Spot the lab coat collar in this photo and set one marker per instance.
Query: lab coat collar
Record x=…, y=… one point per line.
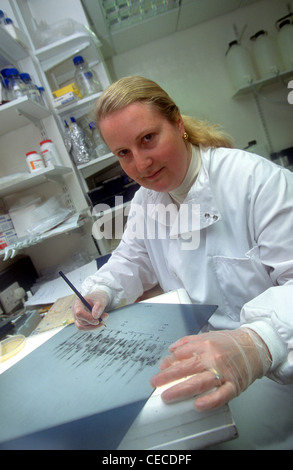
x=199, y=209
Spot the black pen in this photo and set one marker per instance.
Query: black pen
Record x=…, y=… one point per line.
x=85, y=303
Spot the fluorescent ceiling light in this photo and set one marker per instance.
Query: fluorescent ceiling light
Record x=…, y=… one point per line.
x=122, y=13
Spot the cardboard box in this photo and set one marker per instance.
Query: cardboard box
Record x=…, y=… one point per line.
x=8, y=238
x=5, y=222
x=72, y=88
x=63, y=100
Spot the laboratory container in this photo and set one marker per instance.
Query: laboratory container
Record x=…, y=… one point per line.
x=266, y=55
x=240, y=66
x=285, y=40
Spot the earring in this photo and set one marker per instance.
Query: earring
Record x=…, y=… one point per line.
x=185, y=136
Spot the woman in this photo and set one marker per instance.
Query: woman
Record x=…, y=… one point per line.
x=236, y=252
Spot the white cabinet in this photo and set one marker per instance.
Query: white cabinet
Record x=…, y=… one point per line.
x=24, y=123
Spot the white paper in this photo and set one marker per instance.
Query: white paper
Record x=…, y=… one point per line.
x=51, y=291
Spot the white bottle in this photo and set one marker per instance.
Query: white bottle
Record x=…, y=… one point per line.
x=85, y=78
x=285, y=40
x=50, y=153
x=34, y=161
x=240, y=65
x=266, y=55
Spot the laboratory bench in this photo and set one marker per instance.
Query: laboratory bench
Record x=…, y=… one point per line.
x=154, y=425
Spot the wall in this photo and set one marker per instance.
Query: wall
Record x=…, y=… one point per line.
x=190, y=65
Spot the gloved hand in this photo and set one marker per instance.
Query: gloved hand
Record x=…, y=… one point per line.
x=85, y=320
x=218, y=365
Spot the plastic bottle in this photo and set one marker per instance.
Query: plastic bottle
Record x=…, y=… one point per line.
x=42, y=96
x=7, y=21
x=266, y=55
x=2, y=17
x=15, y=86
x=285, y=40
x=81, y=148
x=34, y=161
x=32, y=90
x=50, y=153
x=240, y=65
x=85, y=78
x=4, y=88
x=100, y=147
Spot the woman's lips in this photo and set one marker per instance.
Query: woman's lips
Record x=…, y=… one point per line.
x=154, y=175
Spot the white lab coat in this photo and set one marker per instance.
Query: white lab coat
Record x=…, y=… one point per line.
x=244, y=258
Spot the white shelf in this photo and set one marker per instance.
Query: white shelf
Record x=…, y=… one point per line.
x=258, y=84
x=53, y=65
x=20, y=112
x=11, y=51
x=78, y=108
x=54, y=54
x=98, y=164
x=72, y=223
x=34, y=179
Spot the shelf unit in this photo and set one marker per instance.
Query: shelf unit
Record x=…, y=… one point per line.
x=11, y=51
x=52, y=65
x=259, y=84
x=67, y=47
x=20, y=112
x=72, y=223
x=30, y=180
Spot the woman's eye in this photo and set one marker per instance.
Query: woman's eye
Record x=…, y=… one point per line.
x=122, y=153
x=147, y=138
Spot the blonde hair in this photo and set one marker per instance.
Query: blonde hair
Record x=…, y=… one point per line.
x=131, y=89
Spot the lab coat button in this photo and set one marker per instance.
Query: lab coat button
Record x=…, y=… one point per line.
x=207, y=215
x=215, y=218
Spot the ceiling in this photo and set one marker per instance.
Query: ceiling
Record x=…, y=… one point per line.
x=187, y=14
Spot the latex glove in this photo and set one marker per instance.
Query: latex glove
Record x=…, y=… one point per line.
x=218, y=365
x=85, y=320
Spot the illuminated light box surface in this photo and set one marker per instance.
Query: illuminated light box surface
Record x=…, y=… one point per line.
x=82, y=390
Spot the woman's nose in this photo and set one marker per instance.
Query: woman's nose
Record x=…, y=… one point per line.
x=142, y=162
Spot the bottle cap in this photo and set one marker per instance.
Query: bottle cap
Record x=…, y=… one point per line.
x=46, y=141
x=11, y=72
x=4, y=72
x=78, y=59
x=25, y=76
x=262, y=32
x=30, y=153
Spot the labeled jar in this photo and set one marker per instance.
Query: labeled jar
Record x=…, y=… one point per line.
x=15, y=85
x=85, y=77
x=50, y=153
x=240, y=65
x=34, y=161
x=266, y=55
x=285, y=40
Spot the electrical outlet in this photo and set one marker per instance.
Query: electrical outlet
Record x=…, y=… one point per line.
x=8, y=300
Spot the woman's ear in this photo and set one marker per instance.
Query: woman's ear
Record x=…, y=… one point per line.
x=180, y=124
